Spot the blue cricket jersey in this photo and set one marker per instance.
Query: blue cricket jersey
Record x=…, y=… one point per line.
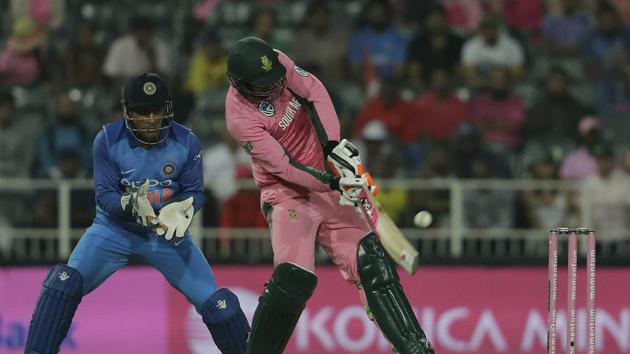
x=173, y=167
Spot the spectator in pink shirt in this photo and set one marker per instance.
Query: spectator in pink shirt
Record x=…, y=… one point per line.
x=580, y=163
x=498, y=113
x=21, y=59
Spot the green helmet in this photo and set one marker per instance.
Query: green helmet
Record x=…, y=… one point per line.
x=254, y=70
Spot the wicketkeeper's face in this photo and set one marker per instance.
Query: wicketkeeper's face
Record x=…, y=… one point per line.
x=147, y=122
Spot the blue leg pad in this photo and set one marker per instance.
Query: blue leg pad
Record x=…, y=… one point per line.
x=59, y=299
x=226, y=321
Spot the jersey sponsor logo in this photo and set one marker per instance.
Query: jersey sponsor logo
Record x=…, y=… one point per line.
x=127, y=172
x=267, y=108
x=300, y=71
x=198, y=156
x=178, y=242
x=168, y=169
x=152, y=183
x=160, y=196
x=292, y=108
x=63, y=276
x=156, y=196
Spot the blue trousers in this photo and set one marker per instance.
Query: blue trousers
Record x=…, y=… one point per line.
x=104, y=249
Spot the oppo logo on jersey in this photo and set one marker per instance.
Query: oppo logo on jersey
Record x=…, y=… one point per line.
x=289, y=114
x=152, y=183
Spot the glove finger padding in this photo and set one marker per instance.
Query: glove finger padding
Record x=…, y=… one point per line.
x=177, y=217
x=343, y=200
x=144, y=188
x=136, y=203
x=144, y=210
x=188, y=215
x=351, y=188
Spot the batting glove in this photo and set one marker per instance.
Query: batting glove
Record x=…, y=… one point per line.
x=136, y=203
x=344, y=161
x=177, y=217
x=350, y=188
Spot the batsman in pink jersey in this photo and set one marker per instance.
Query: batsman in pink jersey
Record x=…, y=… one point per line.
x=284, y=118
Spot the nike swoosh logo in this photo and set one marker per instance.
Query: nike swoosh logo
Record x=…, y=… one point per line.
x=180, y=241
x=127, y=172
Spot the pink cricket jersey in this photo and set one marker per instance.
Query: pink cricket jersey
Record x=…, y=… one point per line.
x=282, y=141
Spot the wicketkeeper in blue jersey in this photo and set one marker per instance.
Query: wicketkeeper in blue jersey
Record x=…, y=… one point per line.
x=149, y=183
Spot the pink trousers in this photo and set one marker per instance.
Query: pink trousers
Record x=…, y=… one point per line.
x=297, y=223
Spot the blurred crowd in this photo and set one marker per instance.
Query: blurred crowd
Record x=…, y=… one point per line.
x=471, y=89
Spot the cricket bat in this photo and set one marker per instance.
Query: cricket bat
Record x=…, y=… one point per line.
x=392, y=239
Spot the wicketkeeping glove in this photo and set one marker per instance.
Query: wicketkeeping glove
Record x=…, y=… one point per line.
x=136, y=203
x=177, y=217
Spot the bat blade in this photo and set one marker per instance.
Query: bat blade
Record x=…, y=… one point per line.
x=392, y=239
x=396, y=244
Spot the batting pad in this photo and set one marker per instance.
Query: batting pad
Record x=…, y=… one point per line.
x=61, y=294
x=226, y=322
x=387, y=301
x=279, y=308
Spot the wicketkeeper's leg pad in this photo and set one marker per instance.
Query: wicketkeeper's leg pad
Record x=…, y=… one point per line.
x=279, y=308
x=226, y=322
x=386, y=299
x=61, y=294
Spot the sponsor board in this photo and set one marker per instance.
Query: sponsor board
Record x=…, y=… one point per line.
x=127, y=314
x=462, y=309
